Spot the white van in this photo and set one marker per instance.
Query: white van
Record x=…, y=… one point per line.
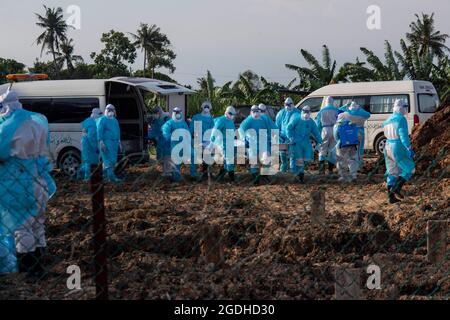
x=378, y=99
x=66, y=103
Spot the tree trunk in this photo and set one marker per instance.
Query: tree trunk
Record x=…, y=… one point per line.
x=145, y=61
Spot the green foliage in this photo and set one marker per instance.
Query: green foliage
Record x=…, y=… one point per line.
x=156, y=48
x=317, y=75
x=112, y=59
x=9, y=66
x=55, y=30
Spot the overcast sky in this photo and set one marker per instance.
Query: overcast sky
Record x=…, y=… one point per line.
x=227, y=37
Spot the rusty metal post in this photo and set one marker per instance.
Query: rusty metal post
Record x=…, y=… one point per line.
x=437, y=240
x=318, y=213
x=100, y=249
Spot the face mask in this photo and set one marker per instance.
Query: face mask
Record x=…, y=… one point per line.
x=206, y=111
x=306, y=116
x=289, y=107
x=178, y=116
x=404, y=111
x=111, y=114
x=231, y=116
x=256, y=115
x=157, y=116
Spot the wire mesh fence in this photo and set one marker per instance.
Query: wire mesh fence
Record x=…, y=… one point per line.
x=149, y=238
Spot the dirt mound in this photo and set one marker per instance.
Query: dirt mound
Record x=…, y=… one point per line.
x=431, y=141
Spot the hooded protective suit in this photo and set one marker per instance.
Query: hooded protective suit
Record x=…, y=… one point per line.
x=299, y=132
x=255, y=132
x=90, y=153
x=220, y=139
x=162, y=149
x=326, y=119
x=282, y=120
x=177, y=122
x=206, y=121
x=26, y=184
x=108, y=135
x=398, y=153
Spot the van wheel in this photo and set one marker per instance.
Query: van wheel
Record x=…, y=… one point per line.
x=70, y=162
x=380, y=145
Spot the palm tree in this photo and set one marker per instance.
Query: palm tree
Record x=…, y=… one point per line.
x=55, y=30
x=154, y=44
x=244, y=92
x=425, y=38
x=414, y=65
x=218, y=96
x=379, y=71
x=66, y=55
x=317, y=75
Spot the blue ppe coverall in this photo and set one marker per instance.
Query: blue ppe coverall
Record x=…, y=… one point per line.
x=300, y=132
x=207, y=122
x=25, y=185
x=219, y=138
x=167, y=129
x=397, y=151
x=90, y=153
x=282, y=121
x=108, y=131
x=254, y=132
x=326, y=119
x=162, y=149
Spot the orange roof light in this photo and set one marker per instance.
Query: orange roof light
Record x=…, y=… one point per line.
x=26, y=77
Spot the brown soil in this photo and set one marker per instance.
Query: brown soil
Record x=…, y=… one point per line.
x=263, y=234
x=431, y=141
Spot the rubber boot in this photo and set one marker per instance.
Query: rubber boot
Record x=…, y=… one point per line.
x=232, y=176
x=321, y=167
x=331, y=168
x=205, y=168
x=256, y=178
x=391, y=196
x=26, y=262
x=38, y=268
x=301, y=178
x=221, y=174
x=397, y=189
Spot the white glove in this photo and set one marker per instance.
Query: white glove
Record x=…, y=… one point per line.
x=102, y=146
x=120, y=147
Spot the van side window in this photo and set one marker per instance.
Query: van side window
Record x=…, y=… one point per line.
x=428, y=103
x=314, y=103
x=385, y=104
x=62, y=110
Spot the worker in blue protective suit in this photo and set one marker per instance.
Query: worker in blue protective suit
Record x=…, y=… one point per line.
x=201, y=127
x=90, y=154
x=155, y=134
x=223, y=136
x=300, y=130
x=398, y=153
x=254, y=131
x=282, y=120
x=108, y=135
x=25, y=186
x=358, y=116
x=177, y=123
x=326, y=119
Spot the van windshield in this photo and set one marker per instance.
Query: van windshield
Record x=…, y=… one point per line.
x=428, y=103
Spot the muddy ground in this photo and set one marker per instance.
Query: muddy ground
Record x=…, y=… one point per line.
x=271, y=249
